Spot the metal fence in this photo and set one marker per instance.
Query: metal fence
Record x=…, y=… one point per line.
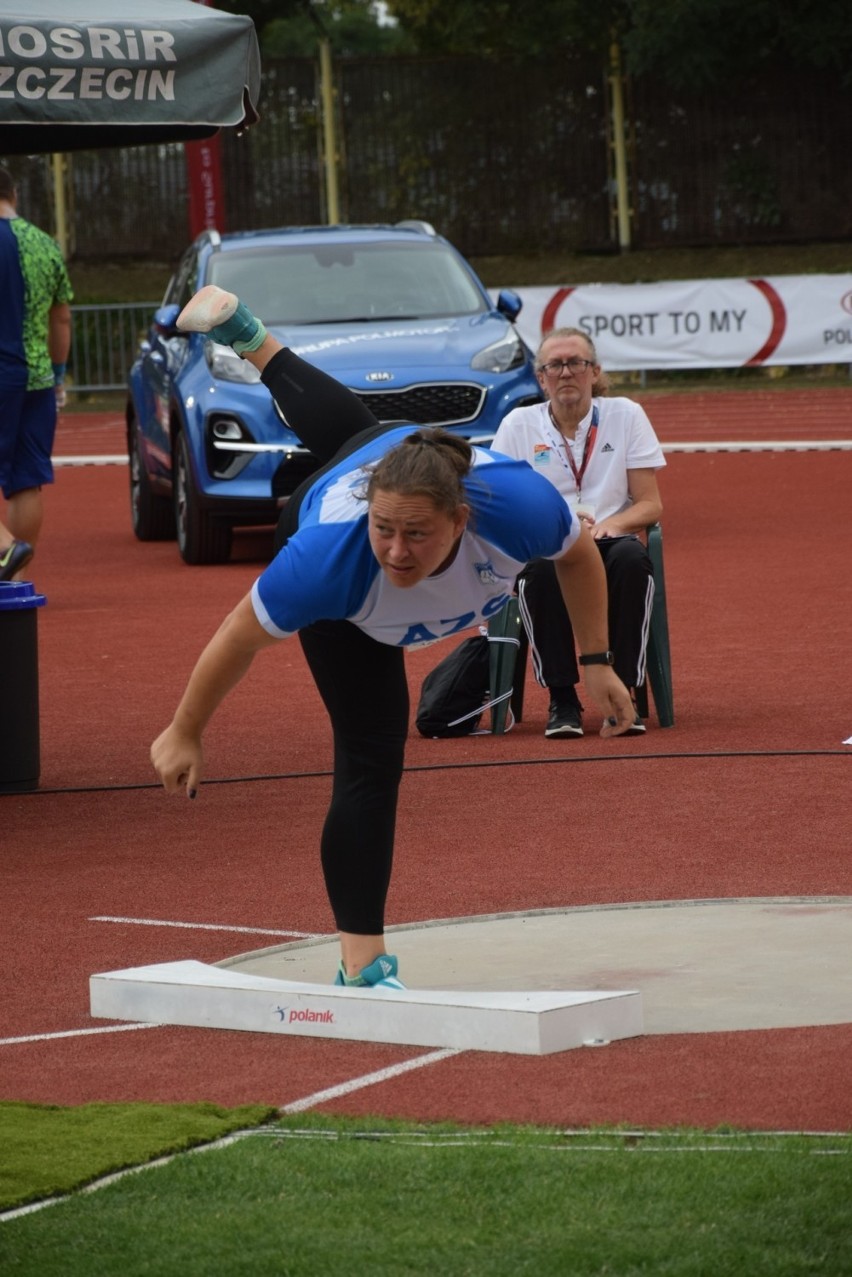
x=502, y=156
x=104, y=344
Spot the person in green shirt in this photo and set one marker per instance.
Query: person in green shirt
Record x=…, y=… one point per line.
x=35, y=340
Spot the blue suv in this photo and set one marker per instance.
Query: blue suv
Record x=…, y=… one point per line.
x=393, y=312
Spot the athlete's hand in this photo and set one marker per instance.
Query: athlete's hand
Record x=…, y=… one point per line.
x=612, y=698
x=178, y=761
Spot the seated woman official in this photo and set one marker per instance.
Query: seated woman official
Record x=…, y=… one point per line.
x=602, y=454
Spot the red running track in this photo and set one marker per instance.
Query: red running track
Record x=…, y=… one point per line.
x=748, y=795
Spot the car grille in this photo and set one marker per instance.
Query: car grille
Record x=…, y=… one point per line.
x=432, y=404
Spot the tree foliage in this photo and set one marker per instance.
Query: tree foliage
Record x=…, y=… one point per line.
x=686, y=43
x=704, y=43
x=291, y=28
x=700, y=44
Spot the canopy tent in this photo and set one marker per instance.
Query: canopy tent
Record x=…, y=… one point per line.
x=81, y=74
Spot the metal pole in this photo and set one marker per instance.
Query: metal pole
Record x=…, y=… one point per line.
x=58, y=168
x=619, y=146
x=328, y=133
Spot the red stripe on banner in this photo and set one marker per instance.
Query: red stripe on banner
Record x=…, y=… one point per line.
x=204, y=179
x=548, y=317
x=779, y=323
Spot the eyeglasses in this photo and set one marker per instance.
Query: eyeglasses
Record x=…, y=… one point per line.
x=556, y=367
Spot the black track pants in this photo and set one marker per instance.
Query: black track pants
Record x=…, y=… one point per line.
x=630, y=587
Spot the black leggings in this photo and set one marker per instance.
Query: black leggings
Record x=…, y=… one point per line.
x=362, y=683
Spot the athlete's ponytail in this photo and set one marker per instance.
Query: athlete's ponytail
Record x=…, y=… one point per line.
x=430, y=462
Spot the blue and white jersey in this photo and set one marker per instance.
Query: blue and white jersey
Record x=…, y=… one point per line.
x=327, y=570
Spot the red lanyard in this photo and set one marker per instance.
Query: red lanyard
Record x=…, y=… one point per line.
x=587, y=449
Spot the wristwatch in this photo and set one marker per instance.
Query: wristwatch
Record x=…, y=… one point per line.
x=597, y=658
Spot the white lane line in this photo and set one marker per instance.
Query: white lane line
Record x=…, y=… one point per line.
x=368, y=1079
x=769, y=445
x=765, y=445
x=212, y=926
x=77, y=1033
x=105, y=459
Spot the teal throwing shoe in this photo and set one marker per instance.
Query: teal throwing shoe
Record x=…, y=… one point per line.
x=380, y=974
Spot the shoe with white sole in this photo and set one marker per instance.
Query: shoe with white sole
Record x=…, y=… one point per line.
x=209, y=307
x=224, y=318
x=564, y=718
x=381, y=973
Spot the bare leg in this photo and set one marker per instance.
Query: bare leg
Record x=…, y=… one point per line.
x=358, y=952
x=25, y=513
x=261, y=357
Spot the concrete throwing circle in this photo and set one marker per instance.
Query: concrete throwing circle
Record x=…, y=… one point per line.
x=702, y=966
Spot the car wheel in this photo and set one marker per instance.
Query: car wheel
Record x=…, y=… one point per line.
x=152, y=516
x=201, y=538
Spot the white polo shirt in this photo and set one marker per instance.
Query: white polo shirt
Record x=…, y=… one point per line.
x=624, y=440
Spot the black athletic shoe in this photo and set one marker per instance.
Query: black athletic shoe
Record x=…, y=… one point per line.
x=564, y=720
x=638, y=728
x=13, y=558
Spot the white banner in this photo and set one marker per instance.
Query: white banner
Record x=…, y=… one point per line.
x=705, y=323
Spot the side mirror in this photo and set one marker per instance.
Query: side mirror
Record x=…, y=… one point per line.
x=165, y=320
x=509, y=304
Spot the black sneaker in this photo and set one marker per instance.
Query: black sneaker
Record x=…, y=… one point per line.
x=564, y=719
x=13, y=558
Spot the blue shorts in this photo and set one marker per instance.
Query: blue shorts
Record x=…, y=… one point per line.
x=27, y=430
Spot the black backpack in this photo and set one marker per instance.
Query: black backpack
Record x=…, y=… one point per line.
x=456, y=693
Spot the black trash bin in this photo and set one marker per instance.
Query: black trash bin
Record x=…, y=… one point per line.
x=20, y=757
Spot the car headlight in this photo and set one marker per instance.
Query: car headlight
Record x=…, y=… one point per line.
x=501, y=355
x=226, y=364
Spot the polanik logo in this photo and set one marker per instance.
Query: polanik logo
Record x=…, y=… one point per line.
x=304, y=1015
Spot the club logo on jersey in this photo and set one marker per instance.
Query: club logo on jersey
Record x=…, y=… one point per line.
x=486, y=573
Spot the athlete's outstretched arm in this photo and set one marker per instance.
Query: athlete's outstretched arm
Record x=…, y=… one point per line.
x=582, y=579
x=177, y=752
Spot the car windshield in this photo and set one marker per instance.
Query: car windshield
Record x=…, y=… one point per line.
x=347, y=283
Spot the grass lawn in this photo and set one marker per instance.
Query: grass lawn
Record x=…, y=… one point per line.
x=313, y=1195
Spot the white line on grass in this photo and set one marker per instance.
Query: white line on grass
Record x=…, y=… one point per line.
x=212, y=926
x=114, y=1176
x=298, y=1106
x=459, y=1139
